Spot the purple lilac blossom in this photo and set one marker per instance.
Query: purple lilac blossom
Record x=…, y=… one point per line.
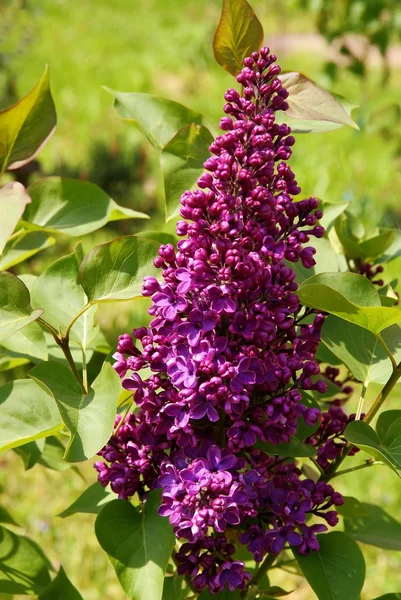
x=228, y=357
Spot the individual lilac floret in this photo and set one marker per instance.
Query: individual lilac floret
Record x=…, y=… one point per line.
x=228, y=353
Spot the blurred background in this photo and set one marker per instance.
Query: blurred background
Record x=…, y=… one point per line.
x=352, y=47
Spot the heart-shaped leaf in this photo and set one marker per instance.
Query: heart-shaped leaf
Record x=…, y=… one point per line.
x=24, y=245
x=31, y=452
x=60, y=588
x=90, y=501
x=15, y=308
x=337, y=570
x=73, y=207
x=375, y=527
x=115, y=270
x=182, y=161
x=23, y=568
x=384, y=444
x=158, y=118
x=239, y=33
x=26, y=126
x=89, y=417
x=13, y=200
x=27, y=413
x=138, y=544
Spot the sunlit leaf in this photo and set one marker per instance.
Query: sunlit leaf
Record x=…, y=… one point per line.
x=26, y=126
x=239, y=33
x=28, y=342
x=23, y=246
x=90, y=501
x=375, y=527
x=15, y=308
x=13, y=200
x=31, y=452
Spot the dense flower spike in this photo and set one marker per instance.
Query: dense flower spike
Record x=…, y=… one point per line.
x=229, y=353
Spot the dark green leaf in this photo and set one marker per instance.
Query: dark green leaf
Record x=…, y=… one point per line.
x=294, y=448
x=305, y=430
x=89, y=417
x=158, y=236
x=337, y=570
x=351, y=508
x=90, y=501
x=73, y=207
x=239, y=33
x=27, y=414
x=13, y=200
x=52, y=455
x=158, y=118
x=138, y=544
x=6, y=518
x=312, y=103
x=182, y=161
x=31, y=452
x=60, y=588
x=115, y=271
x=375, y=527
x=15, y=309
x=384, y=444
x=27, y=126
x=23, y=568
x=393, y=596
x=174, y=588
x=23, y=246
x=226, y=595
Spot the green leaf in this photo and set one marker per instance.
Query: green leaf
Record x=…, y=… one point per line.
x=6, y=518
x=13, y=200
x=8, y=361
x=226, y=595
x=384, y=444
x=158, y=118
x=23, y=567
x=89, y=417
x=182, y=161
x=90, y=501
x=239, y=33
x=304, y=430
x=27, y=414
x=325, y=257
x=351, y=508
x=293, y=448
x=73, y=207
x=56, y=353
x=138, y=544
x=348, y=230
x=351, y=297
x=337, y=570
x=52, y=455
x=173, y=588
x=28, y=342
x=375, y=527
x=310, y=102
x=31, y=452
x=60, y=588
x=360, y=350
x=23, y=246
x=158, y=236
x=115, y=270
x=26, y=126
x=15, y=309
x=393, y=596
x=61, y=280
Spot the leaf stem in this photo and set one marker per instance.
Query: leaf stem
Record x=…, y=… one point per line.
x=360, y=403
x=357, y=468
x=387, y=351
x=84, y=370
x=74, y=319
x=258, y=575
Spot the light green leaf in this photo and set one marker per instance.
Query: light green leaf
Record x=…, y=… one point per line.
x=293, y=448
x=23, y=246
x=27, y=414
x=337, y=570
x=73, y=207
x=6, y=518
x=61, y=281
x=182, y=161
x=351, y=297
x=60, y=588
x=8, y=361
x=325, y=257
x=115, y=270
x=173, y=588
x=90, y=501
x=353, y=242
x=28, y=342
x=52, y=456
x=384, y=444
x=331, y=211
x=158, y=236
x=23, y=567
x=310, y=102
x=15, y=308
x=375, y=527
x=31, y=452
x=138, y=544
x=56, y=353
x=360, y=350
x=158, y=118
x=13, y=200
x=26, y=126
x=239, y=33
x=89, y=417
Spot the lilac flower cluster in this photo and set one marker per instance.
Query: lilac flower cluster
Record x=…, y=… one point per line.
x=228, y=354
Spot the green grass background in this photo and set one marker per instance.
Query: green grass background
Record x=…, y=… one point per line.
x=164, y=47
